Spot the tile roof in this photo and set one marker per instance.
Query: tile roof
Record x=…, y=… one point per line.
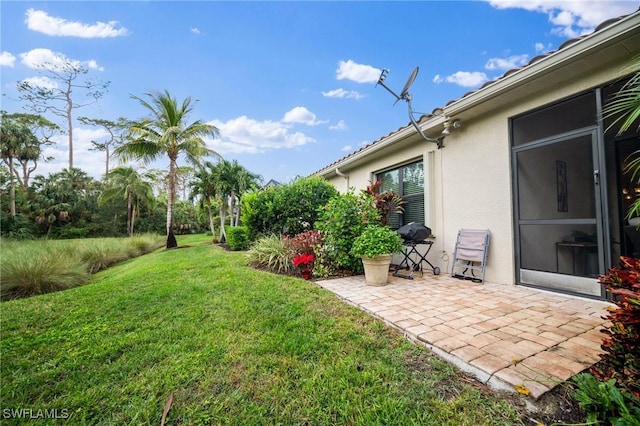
x=535, y=59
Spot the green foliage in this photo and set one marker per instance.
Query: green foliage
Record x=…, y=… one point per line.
x=16, y=227
x=341, y=221
x=621, y=360
x=376, y=240
x=29, y=269
x=604, y=403
x=286, y=209
x=272, y=253
x=238, y=237
x=305, y=242
x=234, y=345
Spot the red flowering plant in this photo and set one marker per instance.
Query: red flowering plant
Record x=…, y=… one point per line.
x=304, y=262
x=621, y=344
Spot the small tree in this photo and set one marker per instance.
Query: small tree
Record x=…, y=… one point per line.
x=115, y=129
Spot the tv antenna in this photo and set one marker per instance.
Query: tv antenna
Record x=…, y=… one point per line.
x=406, y=96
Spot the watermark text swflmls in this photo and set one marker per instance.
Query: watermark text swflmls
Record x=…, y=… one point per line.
x=31, y=413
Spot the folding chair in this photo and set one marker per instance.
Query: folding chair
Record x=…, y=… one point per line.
x=470, y=254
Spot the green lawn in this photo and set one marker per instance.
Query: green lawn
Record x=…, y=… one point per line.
x=234, y=345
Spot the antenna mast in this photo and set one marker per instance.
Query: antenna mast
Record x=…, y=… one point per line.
x=406, y=96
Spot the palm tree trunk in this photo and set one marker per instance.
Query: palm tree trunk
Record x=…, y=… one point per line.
x=223, y=233
x=12, y=189
x=171, y=239
x=133, y=219
x=129, y=215
x=211, y=225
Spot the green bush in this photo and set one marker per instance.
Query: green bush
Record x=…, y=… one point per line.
x=342, y=220
x=376, y=240
x=288, y=209
x=272, y=253
x=604, y=402
x=238, y=237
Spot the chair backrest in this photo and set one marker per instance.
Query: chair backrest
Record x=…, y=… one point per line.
x=472, y=244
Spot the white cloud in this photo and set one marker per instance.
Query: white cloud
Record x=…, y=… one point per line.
x=301, y=115
x=463, y=78
x=340, y=126
x=248, y=136
x=341, y=93
x=7, y=59
x=346, y=148
x=506, y=63
x=572, y=18
x=40, y=21
x=46, y=59
x=92, y=162
x=349, y=70
x=41, y=81
x=541, y=48
x=195, y=30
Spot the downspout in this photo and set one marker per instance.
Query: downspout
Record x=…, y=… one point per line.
x=346, y=177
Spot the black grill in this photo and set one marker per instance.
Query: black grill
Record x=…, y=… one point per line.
x=414, y=232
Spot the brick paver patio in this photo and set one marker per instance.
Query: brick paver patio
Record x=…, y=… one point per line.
x=502, y=335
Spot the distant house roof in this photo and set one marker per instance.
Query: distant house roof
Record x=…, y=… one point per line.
x=486, y=87
x=271, y=183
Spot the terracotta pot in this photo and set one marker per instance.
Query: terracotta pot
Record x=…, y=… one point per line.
x=376, y=269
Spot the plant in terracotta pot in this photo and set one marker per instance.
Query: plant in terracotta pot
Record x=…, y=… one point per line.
x=375, y=246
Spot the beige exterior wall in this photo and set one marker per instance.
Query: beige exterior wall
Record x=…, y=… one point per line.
x=468, y=183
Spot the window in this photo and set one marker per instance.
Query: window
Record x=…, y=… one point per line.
x=408, y=182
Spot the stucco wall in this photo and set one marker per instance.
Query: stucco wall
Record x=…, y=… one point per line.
x=469, y=182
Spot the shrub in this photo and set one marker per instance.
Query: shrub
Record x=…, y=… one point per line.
x=604, y=402
x=341, y=221
x=288, y=209
x=376, y=240
x=272, y=253
x=32, y=270
x=238, y=237
x=621, y=360
x=17, y=227
x=305, y=242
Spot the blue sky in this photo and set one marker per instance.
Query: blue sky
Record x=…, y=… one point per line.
x=290, y=85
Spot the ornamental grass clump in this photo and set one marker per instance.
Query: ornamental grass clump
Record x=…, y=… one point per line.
x=271, y=252
x=31, y=270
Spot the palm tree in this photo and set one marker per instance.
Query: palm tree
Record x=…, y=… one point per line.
x=13, y=137
x=127, y=183
x=232, y=180
x=167, y=133
x=625, y=107
x=204, y=186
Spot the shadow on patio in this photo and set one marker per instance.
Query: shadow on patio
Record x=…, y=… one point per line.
x=504, y=336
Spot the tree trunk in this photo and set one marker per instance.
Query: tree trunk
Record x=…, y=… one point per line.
x=12, y=189
x=70, y=124
x=133, y=219
x=129, y=215
x=223, y=233
x=211, y=224
x=171, y=239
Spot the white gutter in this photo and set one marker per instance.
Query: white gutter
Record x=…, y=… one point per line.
x=627, y=25
x=593, y=42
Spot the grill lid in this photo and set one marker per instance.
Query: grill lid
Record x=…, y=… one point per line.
x=414, y=231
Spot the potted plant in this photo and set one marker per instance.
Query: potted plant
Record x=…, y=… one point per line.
x=375, y=246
